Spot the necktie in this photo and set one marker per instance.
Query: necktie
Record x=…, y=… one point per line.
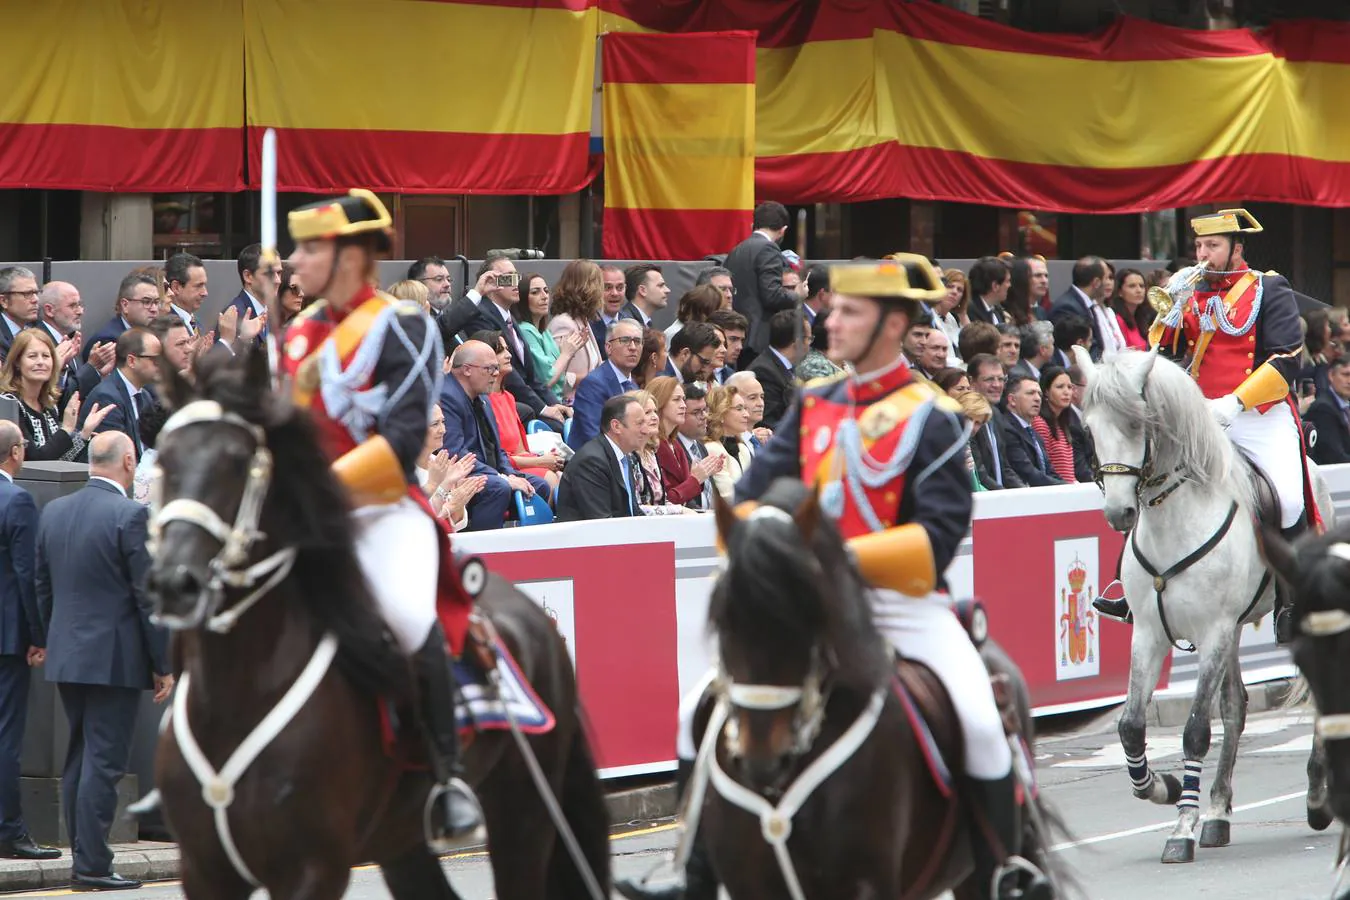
x=486, y=441
x=142, y=402
x=627, y=385
x=697, y=451
x=514, y=335
x=1035, y=442
x=626, y=465
x=993, y=452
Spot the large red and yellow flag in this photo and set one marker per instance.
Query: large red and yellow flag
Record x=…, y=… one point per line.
x=679, y=126
x=423, y=96
x=123, y=96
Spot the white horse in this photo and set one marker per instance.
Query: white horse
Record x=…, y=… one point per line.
x=1191, y=570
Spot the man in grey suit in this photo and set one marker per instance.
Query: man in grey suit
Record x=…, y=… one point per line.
x=101, y=649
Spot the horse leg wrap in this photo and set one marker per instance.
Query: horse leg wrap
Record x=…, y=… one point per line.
x=1141, y=776
x=1190, y=786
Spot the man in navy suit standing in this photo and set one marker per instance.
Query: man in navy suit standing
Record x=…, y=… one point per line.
x=102, y=650
x=127, y=387
x=624, y=346
x=20, y=641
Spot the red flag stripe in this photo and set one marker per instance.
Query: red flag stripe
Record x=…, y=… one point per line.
x=694, y=58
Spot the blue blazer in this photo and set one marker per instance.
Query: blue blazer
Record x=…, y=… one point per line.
x=20, y=624
x=592, y=392
x=113, y=390
x=107, y=334
x=462, y=434
x=244, y=307
x=91, y=569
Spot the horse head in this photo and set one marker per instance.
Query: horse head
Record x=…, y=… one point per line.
x=793, y=625
x=1318, y=572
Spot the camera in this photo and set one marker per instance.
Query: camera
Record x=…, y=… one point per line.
x=508, y=279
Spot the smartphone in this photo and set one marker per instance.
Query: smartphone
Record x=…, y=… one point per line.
x=508, y=279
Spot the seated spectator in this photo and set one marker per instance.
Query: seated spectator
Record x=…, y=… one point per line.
x=775, y=368
x=977, y=338
x=1009, y=345
x=127, y=388
x=137, y=305
x=957, y=297
x=30, y=377
x=575, y=310
x=654, y=360
x=1052, y=424
x=916, y=345
x=1027, y=455
x=623, y=345
x=693, y=353
x=651, y=490
x=550, y=358
x=977, y=409
x=1134, y=314
x=1069, y=330
x=646, y=292
x=752, y=392
x=510, y=430
x=177, y=346
x=1330, y=415
x=728, y=419
x=408, y=289
x=1038, y=348
x=446, y=479
x=954, y=382
x=683, y=476
x=816, y=364
x=989, y=444
x=469, y=429
x=598, y=482
x=291, y=297
x=987, y=285
x=720, y=278
x=697, y=304
x=692, y=437
x=19, y=295
x=733, y=326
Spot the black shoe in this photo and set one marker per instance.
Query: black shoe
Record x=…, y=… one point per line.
x=1000, y=872
x=112, y=882
x=23, y=847
x=1111, y=602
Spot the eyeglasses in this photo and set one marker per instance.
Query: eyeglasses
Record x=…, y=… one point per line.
x=27, y=295
x=436, y=278
x=626, y=341
x=145, y=355
x=701, y=413
x=993, y=379
x=707, y=362
x=296, y=289
x=145, y=301
x=491, y=370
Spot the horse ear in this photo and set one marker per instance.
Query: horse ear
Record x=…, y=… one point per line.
x=726, y=519
x=257, y=372
x=807, y=514
x=1141, y=374
x=1277, y=553
x=176, y=389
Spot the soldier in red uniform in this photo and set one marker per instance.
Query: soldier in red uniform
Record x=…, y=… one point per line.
x=368, y=368
x=875, y=441
x=1237, y=331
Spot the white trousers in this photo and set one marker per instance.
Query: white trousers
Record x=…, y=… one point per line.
x=926, y=631
x=396, y=548
x=1272, y=442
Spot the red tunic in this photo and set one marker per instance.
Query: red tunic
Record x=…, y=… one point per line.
x=1228, y=359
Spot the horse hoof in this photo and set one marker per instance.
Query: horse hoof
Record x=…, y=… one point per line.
x=1173, y=786
x=1179, y=850
x=1319, y=818
x=1216, y=833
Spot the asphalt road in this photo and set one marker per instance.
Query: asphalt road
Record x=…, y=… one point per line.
x=1115, y=839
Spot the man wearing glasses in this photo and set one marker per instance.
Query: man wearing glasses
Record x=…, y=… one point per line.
x=137, y=306
x=433, y=272
x=127, y=388
x=623, y=344
x=987, y=376
x=18, y=304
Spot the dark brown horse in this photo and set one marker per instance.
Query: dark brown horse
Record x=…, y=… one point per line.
x=802, y=665
x=324, y=795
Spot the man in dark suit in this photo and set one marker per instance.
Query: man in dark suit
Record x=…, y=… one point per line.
x=62, y=315
x=1084, y=298
x=102, y=650
x=756, y=266
x=692, y=354
x=774, y=368
x=1026, y=454
x=185, y=283
x=469, y=428
x=611, y=306
x=598, y=481
x=137, y=305
x=646, y=291
x=1330, y=416
x=20, y=641
x=18, y=304
x=988, y=280
x=988, y=445
x=614, y=377
x=127, y=387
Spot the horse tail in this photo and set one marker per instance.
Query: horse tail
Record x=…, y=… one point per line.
x=1298, y=695
x=583, y=805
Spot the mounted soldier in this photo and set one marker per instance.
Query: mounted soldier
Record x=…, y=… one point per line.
x=368, y=369
x=1237, y=333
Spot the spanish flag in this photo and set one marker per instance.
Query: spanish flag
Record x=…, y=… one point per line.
x=679, y=130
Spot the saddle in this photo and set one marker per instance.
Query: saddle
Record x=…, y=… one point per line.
x=1267, y=501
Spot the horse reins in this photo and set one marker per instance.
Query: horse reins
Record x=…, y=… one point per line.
x=229, y=567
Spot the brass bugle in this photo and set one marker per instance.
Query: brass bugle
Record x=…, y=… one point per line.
x=1178, y=288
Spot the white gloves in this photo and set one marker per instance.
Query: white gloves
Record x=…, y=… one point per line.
x=1225, y=409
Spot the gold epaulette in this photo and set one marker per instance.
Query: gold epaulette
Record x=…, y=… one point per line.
x=824, y=380
x=889, y=412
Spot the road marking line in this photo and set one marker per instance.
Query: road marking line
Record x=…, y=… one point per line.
x=1161, y=826
x=470, y=854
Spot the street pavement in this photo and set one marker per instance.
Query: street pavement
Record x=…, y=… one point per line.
x=1115, y=840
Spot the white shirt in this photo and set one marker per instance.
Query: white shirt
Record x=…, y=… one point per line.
x=618, y=454
x=121, y=490
x=8, y=477
x=185, y=316
x=133, y=391
x=622, y=377
x=787, y=363
x=14, y=327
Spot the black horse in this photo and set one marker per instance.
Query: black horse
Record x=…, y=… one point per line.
x=325, y=794
x=802, y=665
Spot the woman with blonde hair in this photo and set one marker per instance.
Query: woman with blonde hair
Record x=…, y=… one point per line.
x=30, y=377
x=728, y=419
x=682, y=477
x=575, y=304
x=416, y=291
x=649, y=488
x=976, y=408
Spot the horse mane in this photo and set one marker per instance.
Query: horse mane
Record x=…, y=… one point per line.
x=307, y=508
x=778, y=588
x=1176, y=418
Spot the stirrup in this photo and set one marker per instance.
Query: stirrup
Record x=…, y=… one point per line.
x=1018, y=878
x=440, y=837
x=146, y=805
x=1111, y=602
x=672, y=884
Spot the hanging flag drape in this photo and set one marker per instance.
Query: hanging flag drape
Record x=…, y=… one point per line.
x=679, y=133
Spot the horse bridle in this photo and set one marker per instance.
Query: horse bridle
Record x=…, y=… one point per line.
x=1146, y=478
x=810, y=700
x=229, y=568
